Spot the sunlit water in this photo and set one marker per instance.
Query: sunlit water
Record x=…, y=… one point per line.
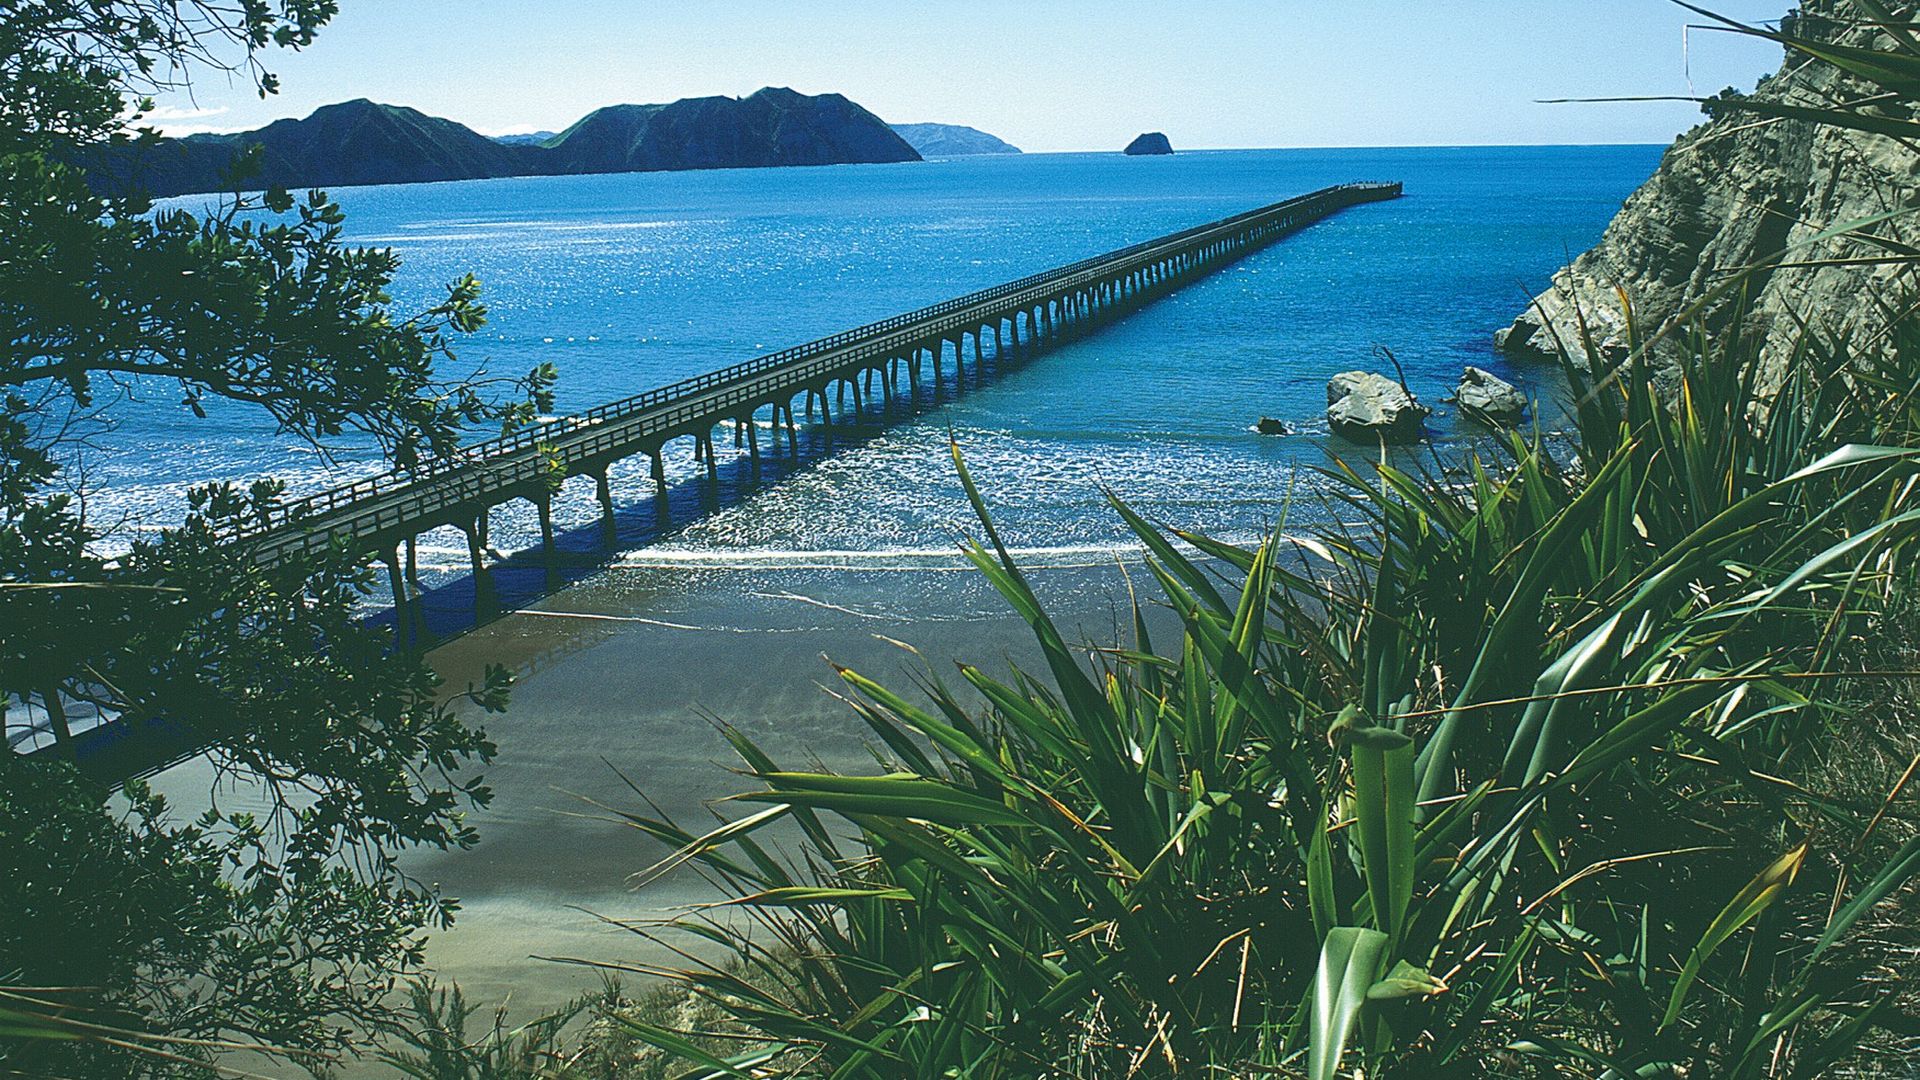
x=630, y=281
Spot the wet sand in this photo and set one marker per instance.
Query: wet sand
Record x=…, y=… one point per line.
x=627, y=672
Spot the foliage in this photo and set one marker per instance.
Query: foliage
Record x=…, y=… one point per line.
x=438, y=1046
x=1213, y=856
x=292, y=927
x=1498, y=781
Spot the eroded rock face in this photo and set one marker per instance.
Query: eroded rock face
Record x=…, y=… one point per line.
x=1490, y=398
x=1367, y=407
x=1730, y=194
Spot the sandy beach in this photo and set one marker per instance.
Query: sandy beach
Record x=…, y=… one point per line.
x=626, y=674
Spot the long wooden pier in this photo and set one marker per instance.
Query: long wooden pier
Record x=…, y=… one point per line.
x=381, y=513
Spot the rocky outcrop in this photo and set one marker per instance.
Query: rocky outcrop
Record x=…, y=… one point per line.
x=363, y=142
x=1489, y=398
x=951, y=140
x=775, y=126
x=1368, y=407
x=1733, y=193
x=1149, y=144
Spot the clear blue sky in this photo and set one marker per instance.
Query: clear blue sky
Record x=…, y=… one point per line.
x=1045, y=75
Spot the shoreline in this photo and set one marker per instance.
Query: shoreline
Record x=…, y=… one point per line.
x=603, y=684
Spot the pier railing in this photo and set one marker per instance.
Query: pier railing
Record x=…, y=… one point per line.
x=391, y=499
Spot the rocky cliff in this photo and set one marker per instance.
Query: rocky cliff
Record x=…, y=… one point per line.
x=362, y=142
x=1736, y=192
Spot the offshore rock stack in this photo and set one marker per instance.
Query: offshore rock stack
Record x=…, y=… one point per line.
x=1148, y=145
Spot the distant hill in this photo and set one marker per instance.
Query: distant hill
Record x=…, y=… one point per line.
x=362, y=142
x=952, y=140
x=531, y=138
x=354, y=142
x=775, y=126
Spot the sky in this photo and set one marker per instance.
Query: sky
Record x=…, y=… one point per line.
x=1046, y=75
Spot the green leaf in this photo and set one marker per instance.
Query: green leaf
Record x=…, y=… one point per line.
x=895, y=795
x=1350, y=960
x=681, y=1048
x=1405, y=981
x=1383, y=825
x=1321, y=897
x=801, y=896
x=1746, y=906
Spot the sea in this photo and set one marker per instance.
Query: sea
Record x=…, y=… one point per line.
x=726, y=605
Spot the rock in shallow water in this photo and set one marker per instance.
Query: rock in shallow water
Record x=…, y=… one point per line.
x=1269, y=426
x=1367, y=407
x=1486, y=396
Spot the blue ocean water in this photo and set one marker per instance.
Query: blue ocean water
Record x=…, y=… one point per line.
x=627, y=282
x=630, y=281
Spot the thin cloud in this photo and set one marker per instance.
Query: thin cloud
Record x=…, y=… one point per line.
x=176, y=121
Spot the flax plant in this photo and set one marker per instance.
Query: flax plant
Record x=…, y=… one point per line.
x=1489, y=776
x=1496, y=782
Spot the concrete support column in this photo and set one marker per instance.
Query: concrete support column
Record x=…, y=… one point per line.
x=603, y=490
x=661, y=506
x=753, y=438
x=544, y=504
x=397, y=582
x=486, y=597
x=706, y=443
x=56, y=711
x=413, y=564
